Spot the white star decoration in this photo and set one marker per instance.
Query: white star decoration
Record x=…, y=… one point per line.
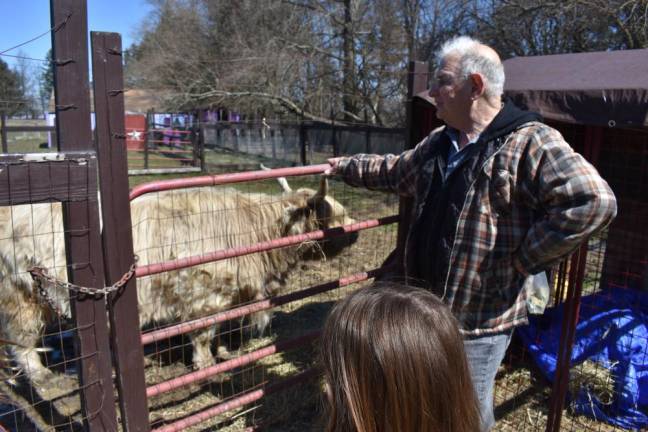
x=135, y=135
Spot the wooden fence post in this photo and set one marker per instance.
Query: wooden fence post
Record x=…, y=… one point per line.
x=81, y=219
x=3, y=131
x=117, y=229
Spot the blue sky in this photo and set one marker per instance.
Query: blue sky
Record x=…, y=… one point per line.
x=25, y=19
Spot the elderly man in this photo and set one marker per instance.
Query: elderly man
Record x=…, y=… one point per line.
x=499, y=196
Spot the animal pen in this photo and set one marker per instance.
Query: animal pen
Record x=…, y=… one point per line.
x=102, y=373
x=167, y=147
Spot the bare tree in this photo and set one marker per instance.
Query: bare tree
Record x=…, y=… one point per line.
x=312, y=58
x=537, y=27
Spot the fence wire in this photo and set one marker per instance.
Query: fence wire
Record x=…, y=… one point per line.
x=606, y=388
x=39, y=383
x=189, y=222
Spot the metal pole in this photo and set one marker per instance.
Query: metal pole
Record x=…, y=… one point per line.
x=147, y=133
x=257, y=306
x=81, y=218
x=296, y=239
x=195, y=142
x=213, y=180
x=591, y=151
x=302, y=140
x=201, y=138
x=228, y=365
x=568, y=333
x=334, y=141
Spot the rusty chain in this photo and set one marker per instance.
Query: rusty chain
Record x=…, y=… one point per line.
x=39, y=275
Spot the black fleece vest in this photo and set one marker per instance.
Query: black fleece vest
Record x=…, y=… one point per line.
x=433, y=231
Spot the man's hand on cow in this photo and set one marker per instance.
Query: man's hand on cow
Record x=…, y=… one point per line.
x=333, y=170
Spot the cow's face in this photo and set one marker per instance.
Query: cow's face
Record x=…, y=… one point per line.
x=321, y=211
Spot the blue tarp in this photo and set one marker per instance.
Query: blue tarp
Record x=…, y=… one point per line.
x=613, y=332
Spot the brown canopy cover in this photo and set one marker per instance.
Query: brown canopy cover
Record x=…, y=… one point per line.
x=597, y=88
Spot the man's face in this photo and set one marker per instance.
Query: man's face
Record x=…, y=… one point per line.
x=451, y=93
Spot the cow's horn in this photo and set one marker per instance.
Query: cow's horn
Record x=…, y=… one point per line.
x=323, y=188
x=282, y=180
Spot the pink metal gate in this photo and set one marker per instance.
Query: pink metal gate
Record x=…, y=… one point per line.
x=244, y=310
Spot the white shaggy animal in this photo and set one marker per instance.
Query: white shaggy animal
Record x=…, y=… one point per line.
x=166, y=226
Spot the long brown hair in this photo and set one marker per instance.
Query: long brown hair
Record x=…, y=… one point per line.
x=394, y=361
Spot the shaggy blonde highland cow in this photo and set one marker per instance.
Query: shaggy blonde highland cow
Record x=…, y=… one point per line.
x=166, y=226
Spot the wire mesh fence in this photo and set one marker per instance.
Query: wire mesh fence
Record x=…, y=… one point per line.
x=223, y=286
x=39, y=378
x=606, y=382
x=24, y=135
x=238, y=145
x=214, y=358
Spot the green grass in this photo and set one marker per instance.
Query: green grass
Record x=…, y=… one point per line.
x=33, y=142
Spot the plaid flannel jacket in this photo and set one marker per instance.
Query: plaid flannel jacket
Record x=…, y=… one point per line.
x=533, y=199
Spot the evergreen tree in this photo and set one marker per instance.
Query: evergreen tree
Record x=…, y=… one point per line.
x=11, y=95
x=46, y=82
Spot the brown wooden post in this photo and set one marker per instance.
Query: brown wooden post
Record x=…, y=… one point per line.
x=147, y=138
x=81, y=218
x=117, y=228
x=3, y=131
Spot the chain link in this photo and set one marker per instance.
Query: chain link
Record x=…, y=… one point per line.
x=39, y=275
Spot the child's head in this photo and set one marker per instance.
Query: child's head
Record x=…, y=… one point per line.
x=393, y=360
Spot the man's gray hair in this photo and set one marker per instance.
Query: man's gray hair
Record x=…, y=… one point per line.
x=472, y=60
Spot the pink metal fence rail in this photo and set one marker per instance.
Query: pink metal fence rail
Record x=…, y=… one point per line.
x=221, y=179
x=237, y=402
x=155, y=268
x=241, y=311
x=228, y=365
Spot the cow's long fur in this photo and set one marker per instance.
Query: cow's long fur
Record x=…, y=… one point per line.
x=166, y=226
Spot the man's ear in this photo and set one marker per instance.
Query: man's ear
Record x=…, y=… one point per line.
x=476, y=86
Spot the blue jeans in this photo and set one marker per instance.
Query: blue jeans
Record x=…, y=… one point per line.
x=484, y=355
